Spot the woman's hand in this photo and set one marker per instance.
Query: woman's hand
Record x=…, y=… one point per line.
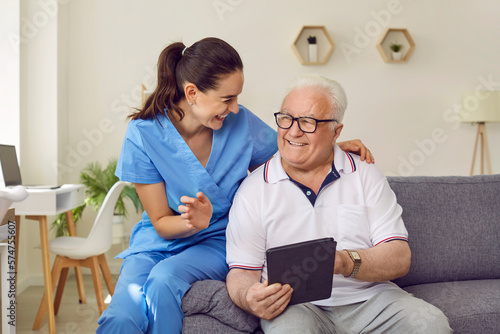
x=356, y=146
x=196, y=212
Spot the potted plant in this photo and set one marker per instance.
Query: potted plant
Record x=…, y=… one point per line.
x=60, y=225
x=98, y=181
x=313, y=49
x=396, y=51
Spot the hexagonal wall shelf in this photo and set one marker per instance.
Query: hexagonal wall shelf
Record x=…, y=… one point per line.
x=324, y=42
x=395, y=36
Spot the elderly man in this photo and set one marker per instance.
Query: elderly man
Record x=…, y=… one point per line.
x=311, y=189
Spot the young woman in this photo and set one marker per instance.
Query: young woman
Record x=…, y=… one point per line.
x=186, y=152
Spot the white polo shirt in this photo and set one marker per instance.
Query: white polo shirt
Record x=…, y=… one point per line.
x=355, y=206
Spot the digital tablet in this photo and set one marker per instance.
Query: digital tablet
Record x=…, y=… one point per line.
x=307, y=266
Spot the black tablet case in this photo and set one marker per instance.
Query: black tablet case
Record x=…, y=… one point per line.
x=307, y=266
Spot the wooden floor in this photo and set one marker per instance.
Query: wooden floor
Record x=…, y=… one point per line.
x=73, y=317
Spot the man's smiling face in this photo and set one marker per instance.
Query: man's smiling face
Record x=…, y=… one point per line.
x=306, y=151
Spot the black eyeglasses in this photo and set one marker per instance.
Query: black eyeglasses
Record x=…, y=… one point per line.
x=306, y=124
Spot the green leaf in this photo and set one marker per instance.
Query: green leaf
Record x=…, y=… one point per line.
x=396, y=47
x=60, y=225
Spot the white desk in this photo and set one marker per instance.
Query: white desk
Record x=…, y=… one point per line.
x=48, y=202
x=37, y=206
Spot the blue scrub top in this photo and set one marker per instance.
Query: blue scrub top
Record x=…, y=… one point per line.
x=153, y=151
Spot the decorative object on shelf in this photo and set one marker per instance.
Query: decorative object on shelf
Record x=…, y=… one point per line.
x=310, y=38
x=390, y=41
x=313, y=49
x=396, y=51
x=98, y=181
x=481, y=107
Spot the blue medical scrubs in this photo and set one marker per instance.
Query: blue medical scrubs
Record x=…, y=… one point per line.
x=157, y=272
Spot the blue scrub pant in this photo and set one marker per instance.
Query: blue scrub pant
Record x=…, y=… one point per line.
x=151, y=285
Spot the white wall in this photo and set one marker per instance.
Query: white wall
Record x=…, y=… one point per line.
x=9, y=72
x=107, y=49
x=39, y=109
x=393, y=108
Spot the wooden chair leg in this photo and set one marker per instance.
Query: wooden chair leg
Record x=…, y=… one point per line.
x=78, y=271
x=106, y=274
x=80, y=285
x=60, y=289
x=96, y=278
x=42, y=309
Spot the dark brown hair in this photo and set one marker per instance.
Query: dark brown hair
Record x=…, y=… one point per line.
x=203, y=64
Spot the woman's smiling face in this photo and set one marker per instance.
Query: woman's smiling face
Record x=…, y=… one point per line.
x=212, y=107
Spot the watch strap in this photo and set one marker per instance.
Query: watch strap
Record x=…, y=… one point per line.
x=357, y=262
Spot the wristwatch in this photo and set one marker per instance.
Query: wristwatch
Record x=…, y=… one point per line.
x=357, y=262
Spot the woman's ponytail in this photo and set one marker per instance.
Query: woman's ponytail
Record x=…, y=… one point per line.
x=166, y=94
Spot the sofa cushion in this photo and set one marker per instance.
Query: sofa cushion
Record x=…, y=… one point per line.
x=471, y=306
x=453, y=226
x=208, y=308
x=202, y=323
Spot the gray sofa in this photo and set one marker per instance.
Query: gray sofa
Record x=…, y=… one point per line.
x=454, y=233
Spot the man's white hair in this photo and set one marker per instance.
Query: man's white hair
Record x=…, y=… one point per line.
x=332, y=88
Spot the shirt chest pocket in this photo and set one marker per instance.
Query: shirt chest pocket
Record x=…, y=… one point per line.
x=353, y=227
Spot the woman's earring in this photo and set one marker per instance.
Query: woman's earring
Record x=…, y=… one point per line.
x=190, y=103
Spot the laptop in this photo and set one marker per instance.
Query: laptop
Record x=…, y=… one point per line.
x=11, y=172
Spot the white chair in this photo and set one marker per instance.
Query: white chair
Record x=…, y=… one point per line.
x=85, y=252
x=7, y=197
